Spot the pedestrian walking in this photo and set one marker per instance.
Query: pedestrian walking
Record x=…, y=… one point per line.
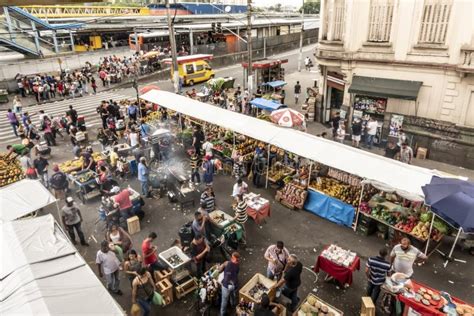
x=406, y=154
x=335, y=124
x=143, y=290
x=143, y=174
x=297, y=91
x=58, y=182
x=230, y=283
x=71, y=218
x=17, y=105
x=356, y=132
x=41, y=166
x=341, y=133
x=241, y=215
x=376, y=270
x=13, y=120
x=291, y=281
x=372, y=126
x=109, y=265
x=208, y=170
x=194, y=163
x=93, y=85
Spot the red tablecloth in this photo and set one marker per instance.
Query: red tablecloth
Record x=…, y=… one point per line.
x=432, y=310
x=259, y=215
x=338, y=272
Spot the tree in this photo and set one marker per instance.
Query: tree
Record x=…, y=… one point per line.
x=311, y=7
x=278, y=7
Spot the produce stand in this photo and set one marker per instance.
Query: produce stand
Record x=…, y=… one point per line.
x=313, y=305
x=279, y=171
x=425, y=300
x=85, y=182
x=76, y=164
x=10, y=170
x=258, y=208
x=336, y=263
x=220, y=221
x=253, y=290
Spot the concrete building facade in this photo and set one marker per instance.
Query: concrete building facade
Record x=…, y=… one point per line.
x=404, y=62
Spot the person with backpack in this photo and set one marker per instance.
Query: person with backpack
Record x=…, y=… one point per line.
x=58, y=182
x=208, y=168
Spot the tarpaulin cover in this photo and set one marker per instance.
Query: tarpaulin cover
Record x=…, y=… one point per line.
x=275, y=84
x=364, y=164
x=22, y=198
x=386, y=188
x=267, y=105
x=43, y=274
x=329, y=208
x=452, y=200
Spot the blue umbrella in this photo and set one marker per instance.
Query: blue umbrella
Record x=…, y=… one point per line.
x=452, y=200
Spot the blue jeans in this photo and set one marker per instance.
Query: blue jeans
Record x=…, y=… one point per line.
x=293, y=296
x=145, y=306
x=270, y=274
x=373, y=291
x=226, y=294
x=144, y=185
x=14, y=126
x=369, y=141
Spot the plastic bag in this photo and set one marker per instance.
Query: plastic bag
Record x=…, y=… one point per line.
x=157, y=299
x=135, y=310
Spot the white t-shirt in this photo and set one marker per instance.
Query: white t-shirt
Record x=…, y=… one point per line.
x=372, y=127
x=133, y=139
x=109, y=261
x=239, y=189
x=404, y=259
x=208, y=146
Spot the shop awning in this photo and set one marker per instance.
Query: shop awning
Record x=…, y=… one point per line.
x=267, y=105
x=385, y=88
x=354, y=161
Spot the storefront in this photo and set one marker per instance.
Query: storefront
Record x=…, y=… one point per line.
x=334, y=95
x=370, y=99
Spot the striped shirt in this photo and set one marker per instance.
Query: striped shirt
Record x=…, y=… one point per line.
x=378, y=269
x=241, y=212
x=209, y=200
x=194, y=162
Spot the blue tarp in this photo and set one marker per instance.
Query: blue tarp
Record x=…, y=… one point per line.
x=267, y=105
x=330, y=208
x=275, y=84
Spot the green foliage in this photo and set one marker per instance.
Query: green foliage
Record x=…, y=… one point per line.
x=311, y=7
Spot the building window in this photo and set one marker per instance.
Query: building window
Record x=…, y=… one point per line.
x=338, y=20
x=434, y=21
x=334, y=20
x=380, y=20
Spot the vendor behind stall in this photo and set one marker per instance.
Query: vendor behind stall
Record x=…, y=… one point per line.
x=199, y=251
x=404, y=255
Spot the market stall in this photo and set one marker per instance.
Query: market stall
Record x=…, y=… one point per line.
x=22, y=198
x=44, y=274
x=77, y=164
x=313, y=305
x=338, y=263
x=85, y=183
x=267, y=70
x=266, y=105
x=10, y=170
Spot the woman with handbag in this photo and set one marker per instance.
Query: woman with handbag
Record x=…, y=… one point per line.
x=120, y=239
x=143, y=290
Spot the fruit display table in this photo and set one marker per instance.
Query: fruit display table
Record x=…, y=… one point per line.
x=339, y=272
x=86, y=184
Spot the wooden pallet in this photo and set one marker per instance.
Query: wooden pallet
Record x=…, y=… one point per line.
x=163, y=274
x=183, y=289
x=165, y=287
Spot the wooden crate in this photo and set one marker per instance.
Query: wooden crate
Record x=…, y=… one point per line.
x=257, y=278
x=163, y=274
x=184, y=288
x=165, y=287
x=133, y=225
x=421, y=153
x=368, y=307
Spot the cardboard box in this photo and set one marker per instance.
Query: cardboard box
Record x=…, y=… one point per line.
x=133, y=225
x=257, y=278
x=421, y=153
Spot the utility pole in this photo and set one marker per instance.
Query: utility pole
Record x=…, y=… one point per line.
x=249, y=47
x=300, y=57
x=173, y=49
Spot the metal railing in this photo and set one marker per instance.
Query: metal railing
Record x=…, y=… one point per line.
x=53, y=11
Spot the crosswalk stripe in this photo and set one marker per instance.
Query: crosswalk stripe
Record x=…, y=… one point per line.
x=85, y=106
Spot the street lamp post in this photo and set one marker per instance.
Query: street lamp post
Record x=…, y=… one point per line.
x=300, y=57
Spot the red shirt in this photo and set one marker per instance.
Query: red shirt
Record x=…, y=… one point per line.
x=123, y=199
x=146, y=249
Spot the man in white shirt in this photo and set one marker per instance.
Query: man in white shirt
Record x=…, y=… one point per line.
x=109, y=265
x=372, y=126
x=207, y=147
x=239, y=188
x=404, y=255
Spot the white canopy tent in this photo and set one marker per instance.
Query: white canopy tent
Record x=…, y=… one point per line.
x=43, y=274
x=22, y=198
x=354, y=161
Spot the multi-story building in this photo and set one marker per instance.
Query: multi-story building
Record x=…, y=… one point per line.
x=406, y=63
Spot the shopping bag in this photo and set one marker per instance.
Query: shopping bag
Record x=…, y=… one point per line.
x=157, y=299
x=135, y=310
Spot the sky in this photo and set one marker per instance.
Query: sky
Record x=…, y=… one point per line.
x=273, y=2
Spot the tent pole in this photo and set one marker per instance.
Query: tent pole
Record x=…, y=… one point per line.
x=309, y=174
x=59, y=212
x=429, y=234
x=268, y=166
x=454, y=245
x=358, y=207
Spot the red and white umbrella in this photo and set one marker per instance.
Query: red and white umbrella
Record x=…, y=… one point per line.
x=149, y=87
x=287, y=117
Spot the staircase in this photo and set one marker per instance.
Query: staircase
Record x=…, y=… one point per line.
x=33, y=37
